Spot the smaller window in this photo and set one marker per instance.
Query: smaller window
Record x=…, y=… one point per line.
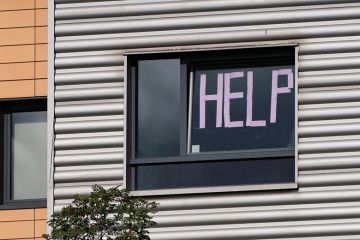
x=221, y=118
x=23, y=125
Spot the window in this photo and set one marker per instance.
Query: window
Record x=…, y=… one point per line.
x=217, y=120
x=23, y=127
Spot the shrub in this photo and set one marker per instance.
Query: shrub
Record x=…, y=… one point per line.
x=105, y=214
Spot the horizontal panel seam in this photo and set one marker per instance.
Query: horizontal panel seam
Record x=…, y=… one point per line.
x=25, y=220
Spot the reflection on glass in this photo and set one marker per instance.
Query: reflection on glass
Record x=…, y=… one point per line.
x=28, y=155
x=158, y=108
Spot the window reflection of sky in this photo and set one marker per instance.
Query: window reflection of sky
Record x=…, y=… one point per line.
x=158, y=108
x=28, y=155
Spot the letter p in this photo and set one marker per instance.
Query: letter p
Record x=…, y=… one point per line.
x=275, y=90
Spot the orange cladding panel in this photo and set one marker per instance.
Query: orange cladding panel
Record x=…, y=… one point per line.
x=17, y=71
x=20, y=53
x=41, y=35
x=40, y=227
x=16, y=215
x=41, y=17
x=20, y=229
x=12, y=19
x=17, y=36
x=41, y=87
x=16, y=4
x=23, y=224
x=40, y=214
x=41, y=52
x=41, y=3
x=41, y=69
x=17, y=89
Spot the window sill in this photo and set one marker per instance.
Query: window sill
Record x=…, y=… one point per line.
x=24, y=204
x=222, y=189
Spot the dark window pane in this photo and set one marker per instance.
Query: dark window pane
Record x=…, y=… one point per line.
x=219, y=173
x=158, y=108
x=242, y=108
x=28, y=155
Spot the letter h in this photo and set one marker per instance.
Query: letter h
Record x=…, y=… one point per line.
x=218, y=97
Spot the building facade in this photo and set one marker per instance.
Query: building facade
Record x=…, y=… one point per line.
x=144, y=94
x=93, y=43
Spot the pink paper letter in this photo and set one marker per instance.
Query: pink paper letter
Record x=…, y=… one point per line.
x=249, y=104
x=218, y=97
x=231, y=95
x=275, y=90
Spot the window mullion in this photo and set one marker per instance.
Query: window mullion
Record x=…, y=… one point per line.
x=184, y=93
x=7, y=157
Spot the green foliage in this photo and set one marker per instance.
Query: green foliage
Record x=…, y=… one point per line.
x=111, y=214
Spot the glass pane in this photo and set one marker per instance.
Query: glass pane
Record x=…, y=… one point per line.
x=158, y=108
x=28, y=156
x=215, y=173
x=247, y=108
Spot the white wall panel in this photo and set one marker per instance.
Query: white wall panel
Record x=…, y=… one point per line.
x=90, y=38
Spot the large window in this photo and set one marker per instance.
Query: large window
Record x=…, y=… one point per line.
x=23, y=127
x=212, y=120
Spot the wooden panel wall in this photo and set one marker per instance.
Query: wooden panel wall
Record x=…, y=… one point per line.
x=23, y=48
x=23, y=224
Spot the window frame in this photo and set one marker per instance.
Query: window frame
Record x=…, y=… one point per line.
x=7, y=107
x=129, y=132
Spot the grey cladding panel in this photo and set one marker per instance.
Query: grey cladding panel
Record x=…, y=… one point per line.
x=89, y=109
